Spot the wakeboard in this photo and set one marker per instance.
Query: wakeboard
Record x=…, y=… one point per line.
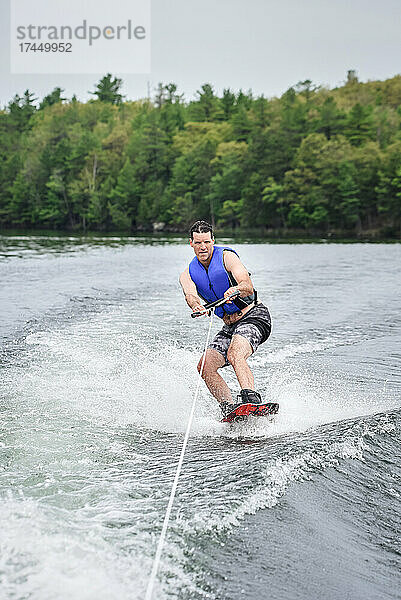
x=244, y=411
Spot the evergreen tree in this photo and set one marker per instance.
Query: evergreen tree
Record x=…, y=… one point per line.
x=20, y=110
x=359, y=125
x=396, y=204
x=228, y=103
x=273, y=213
x=108, y=90
x=227, y=182
x=331, y=121
x=53, y=98
x=241, y=124
x=349, y=194
x=125, y=197
x=306, y=89
x=207, y=105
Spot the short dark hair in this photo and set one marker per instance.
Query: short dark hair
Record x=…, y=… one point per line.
x=200, y=227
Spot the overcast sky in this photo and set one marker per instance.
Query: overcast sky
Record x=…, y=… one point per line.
x=265, y=45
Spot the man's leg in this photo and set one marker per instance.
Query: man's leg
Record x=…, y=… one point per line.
x=215, y=383
x=238, y=352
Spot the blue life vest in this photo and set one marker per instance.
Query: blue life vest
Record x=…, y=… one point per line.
x=212, y=283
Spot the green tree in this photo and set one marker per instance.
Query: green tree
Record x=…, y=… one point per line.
x=396, y=204
x=228, y=103
x=171, y=111
x=52, y=98
x=331, y=121
x=206, y=107
x=181, y=211
x=388, y=189
x=312, y=185
x=231, y=213
x=19, y=208
x=306, y=89
x=244, y=100
x=359, y=124
x=241, y=124
x=99, y=212
x=349, y=194
x=54, y=210
x=125, y=197
x=251, y=199
x=21, y=109
x=227, y=182
x=273, y=213
x=108, y=89
x=148, y=151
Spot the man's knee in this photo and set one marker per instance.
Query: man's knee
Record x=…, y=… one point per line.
x=209, y=367
x=234, y=356
x=206, y=367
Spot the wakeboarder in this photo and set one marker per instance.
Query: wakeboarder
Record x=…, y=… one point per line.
x=216, y=272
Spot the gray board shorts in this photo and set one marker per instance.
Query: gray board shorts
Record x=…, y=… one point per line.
x=255, y=326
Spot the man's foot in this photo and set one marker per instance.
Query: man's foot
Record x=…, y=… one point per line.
x=249, y=397
x=244, y=397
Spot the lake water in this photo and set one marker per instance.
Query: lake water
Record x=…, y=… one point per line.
x=98, y=369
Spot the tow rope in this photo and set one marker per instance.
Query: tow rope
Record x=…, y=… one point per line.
x=156, y=560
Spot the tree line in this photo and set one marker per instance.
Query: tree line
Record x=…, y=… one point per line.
x=314, y=160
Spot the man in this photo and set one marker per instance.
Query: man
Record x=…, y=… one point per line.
x=217, y=272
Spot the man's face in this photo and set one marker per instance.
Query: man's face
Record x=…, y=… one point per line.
x=203, y=245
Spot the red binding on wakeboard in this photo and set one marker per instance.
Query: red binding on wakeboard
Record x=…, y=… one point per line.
x=242, y=412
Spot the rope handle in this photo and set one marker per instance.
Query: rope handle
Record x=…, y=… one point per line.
x=215, y=304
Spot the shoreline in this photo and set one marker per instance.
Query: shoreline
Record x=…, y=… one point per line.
x=240, y=235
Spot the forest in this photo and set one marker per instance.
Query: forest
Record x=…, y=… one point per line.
x=314, y=161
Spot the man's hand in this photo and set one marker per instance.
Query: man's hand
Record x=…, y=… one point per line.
x=199, y=308
x=230, y=291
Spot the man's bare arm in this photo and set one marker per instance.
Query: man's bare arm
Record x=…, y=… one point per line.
x=190, y=292
x=244, y=284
